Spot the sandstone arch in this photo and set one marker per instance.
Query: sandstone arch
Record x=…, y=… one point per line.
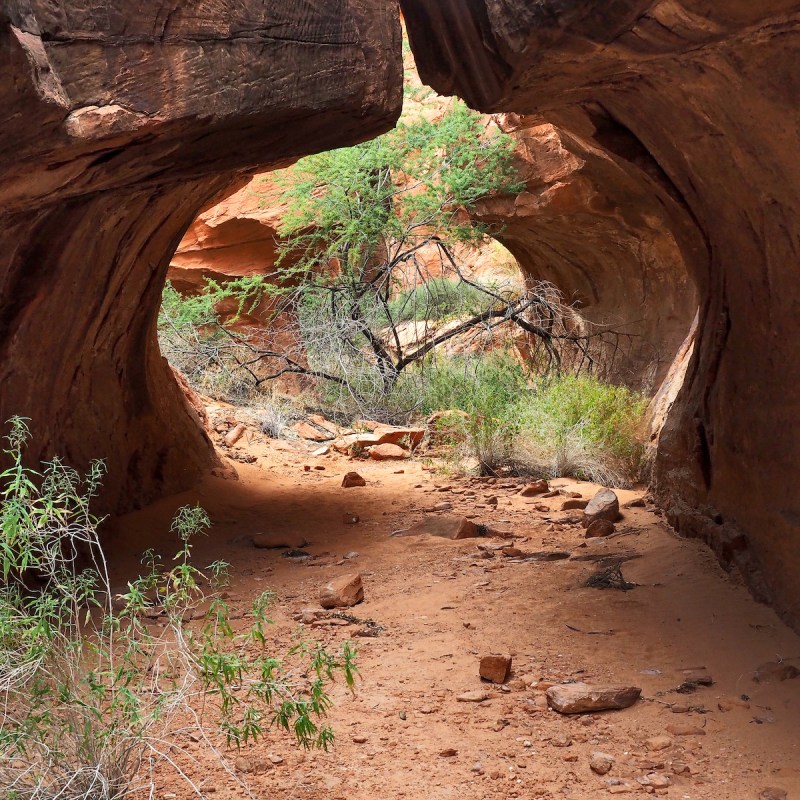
x=709, y=93
x=118, y=125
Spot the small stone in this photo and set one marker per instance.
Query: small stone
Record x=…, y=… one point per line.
x=572, y=505
x=352, y=554
x=577, y=698
x=474, y=696
x=773, y=671
x=276, y=760
x=532, y=489
x=243, y=764
x=598, y=528
x=495, y=668
x=342, y=592
x=306, y=431
x=277, y=540
x=443, y=506
x=359, y=738
x=685, y=729
x=234, y=435
x=601, y=763
x=637, y=502
x=604, y=505
x=352, y=479
x=561, y=741
x=656, y=743
x=350, y=519
x=448, y=752
x=477, y=768
x=387, y=452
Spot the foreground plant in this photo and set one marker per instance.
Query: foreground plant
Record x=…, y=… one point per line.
x=97, y=699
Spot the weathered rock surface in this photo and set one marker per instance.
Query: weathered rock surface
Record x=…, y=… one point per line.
x=696, y=103
x=119, y=125
x=578, y=698
x=342, y=592
x=387, y=452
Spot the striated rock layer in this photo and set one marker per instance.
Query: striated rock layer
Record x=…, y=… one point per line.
x=118, y=125
x=701, y=99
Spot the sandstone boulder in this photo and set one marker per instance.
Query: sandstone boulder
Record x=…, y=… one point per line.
x=604, y=505
x=342, y=592
x=578, y=698
x=535, y=488
x=598, y=528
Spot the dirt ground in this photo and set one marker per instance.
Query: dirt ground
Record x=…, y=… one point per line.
x=443, y=604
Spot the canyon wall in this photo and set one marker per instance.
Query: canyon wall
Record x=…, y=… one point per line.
x=701, y=98
x=119, y=125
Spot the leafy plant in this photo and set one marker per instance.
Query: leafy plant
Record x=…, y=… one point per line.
x=96, y=698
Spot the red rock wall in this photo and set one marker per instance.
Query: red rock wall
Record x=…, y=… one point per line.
x=709, y=92
x=118, y=125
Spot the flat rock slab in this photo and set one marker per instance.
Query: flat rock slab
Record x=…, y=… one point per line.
x=454, y=528
x=578, y=698
x=533, y=489
x=342, y=592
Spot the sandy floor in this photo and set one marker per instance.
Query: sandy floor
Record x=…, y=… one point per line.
x=443, y=605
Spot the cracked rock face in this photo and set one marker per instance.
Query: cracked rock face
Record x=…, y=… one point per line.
x=120, y=122
x=707, y=94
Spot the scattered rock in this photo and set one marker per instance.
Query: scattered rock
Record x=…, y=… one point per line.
x=685, y=729
x=773, y=671
x=604, y=505
x=448, y=752
x=598, y=528
x=234, y=435
x=352, y=479
x=561, y=740
x=532, y=489
x=350, y=555
x=359, y=738
x=656, y=743
x=350, y=519
x=321, y=451
x=656, y=780
x=342, y=592
x=601, y=763
x=474, y=696
x=387, y=452
x=266, y=541
x=454, y=528
x=571, y=505
x=443, y=506
x=577, y=698
x=495, y=668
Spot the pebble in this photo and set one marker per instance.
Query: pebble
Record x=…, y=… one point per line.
x=601, y=763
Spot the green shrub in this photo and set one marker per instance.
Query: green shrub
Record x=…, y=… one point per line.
x=438, y=299
x=95, y=698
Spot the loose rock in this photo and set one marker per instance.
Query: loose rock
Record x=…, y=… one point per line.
x=772, y=793
x=577, y=698
x=657, y=743
x=495, y=668
x=604, y=505
x=685, y=729
x=601, y=763
x=475, y=696
x=454, y=528
x=532, y=489
x=598, y=528
x=352, y=479
x=342, y=592
x=571, y=505
x=234, y=435
x=387, y=452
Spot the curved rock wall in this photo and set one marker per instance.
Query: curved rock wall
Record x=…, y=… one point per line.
x=119, y=124
x=709, y=92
